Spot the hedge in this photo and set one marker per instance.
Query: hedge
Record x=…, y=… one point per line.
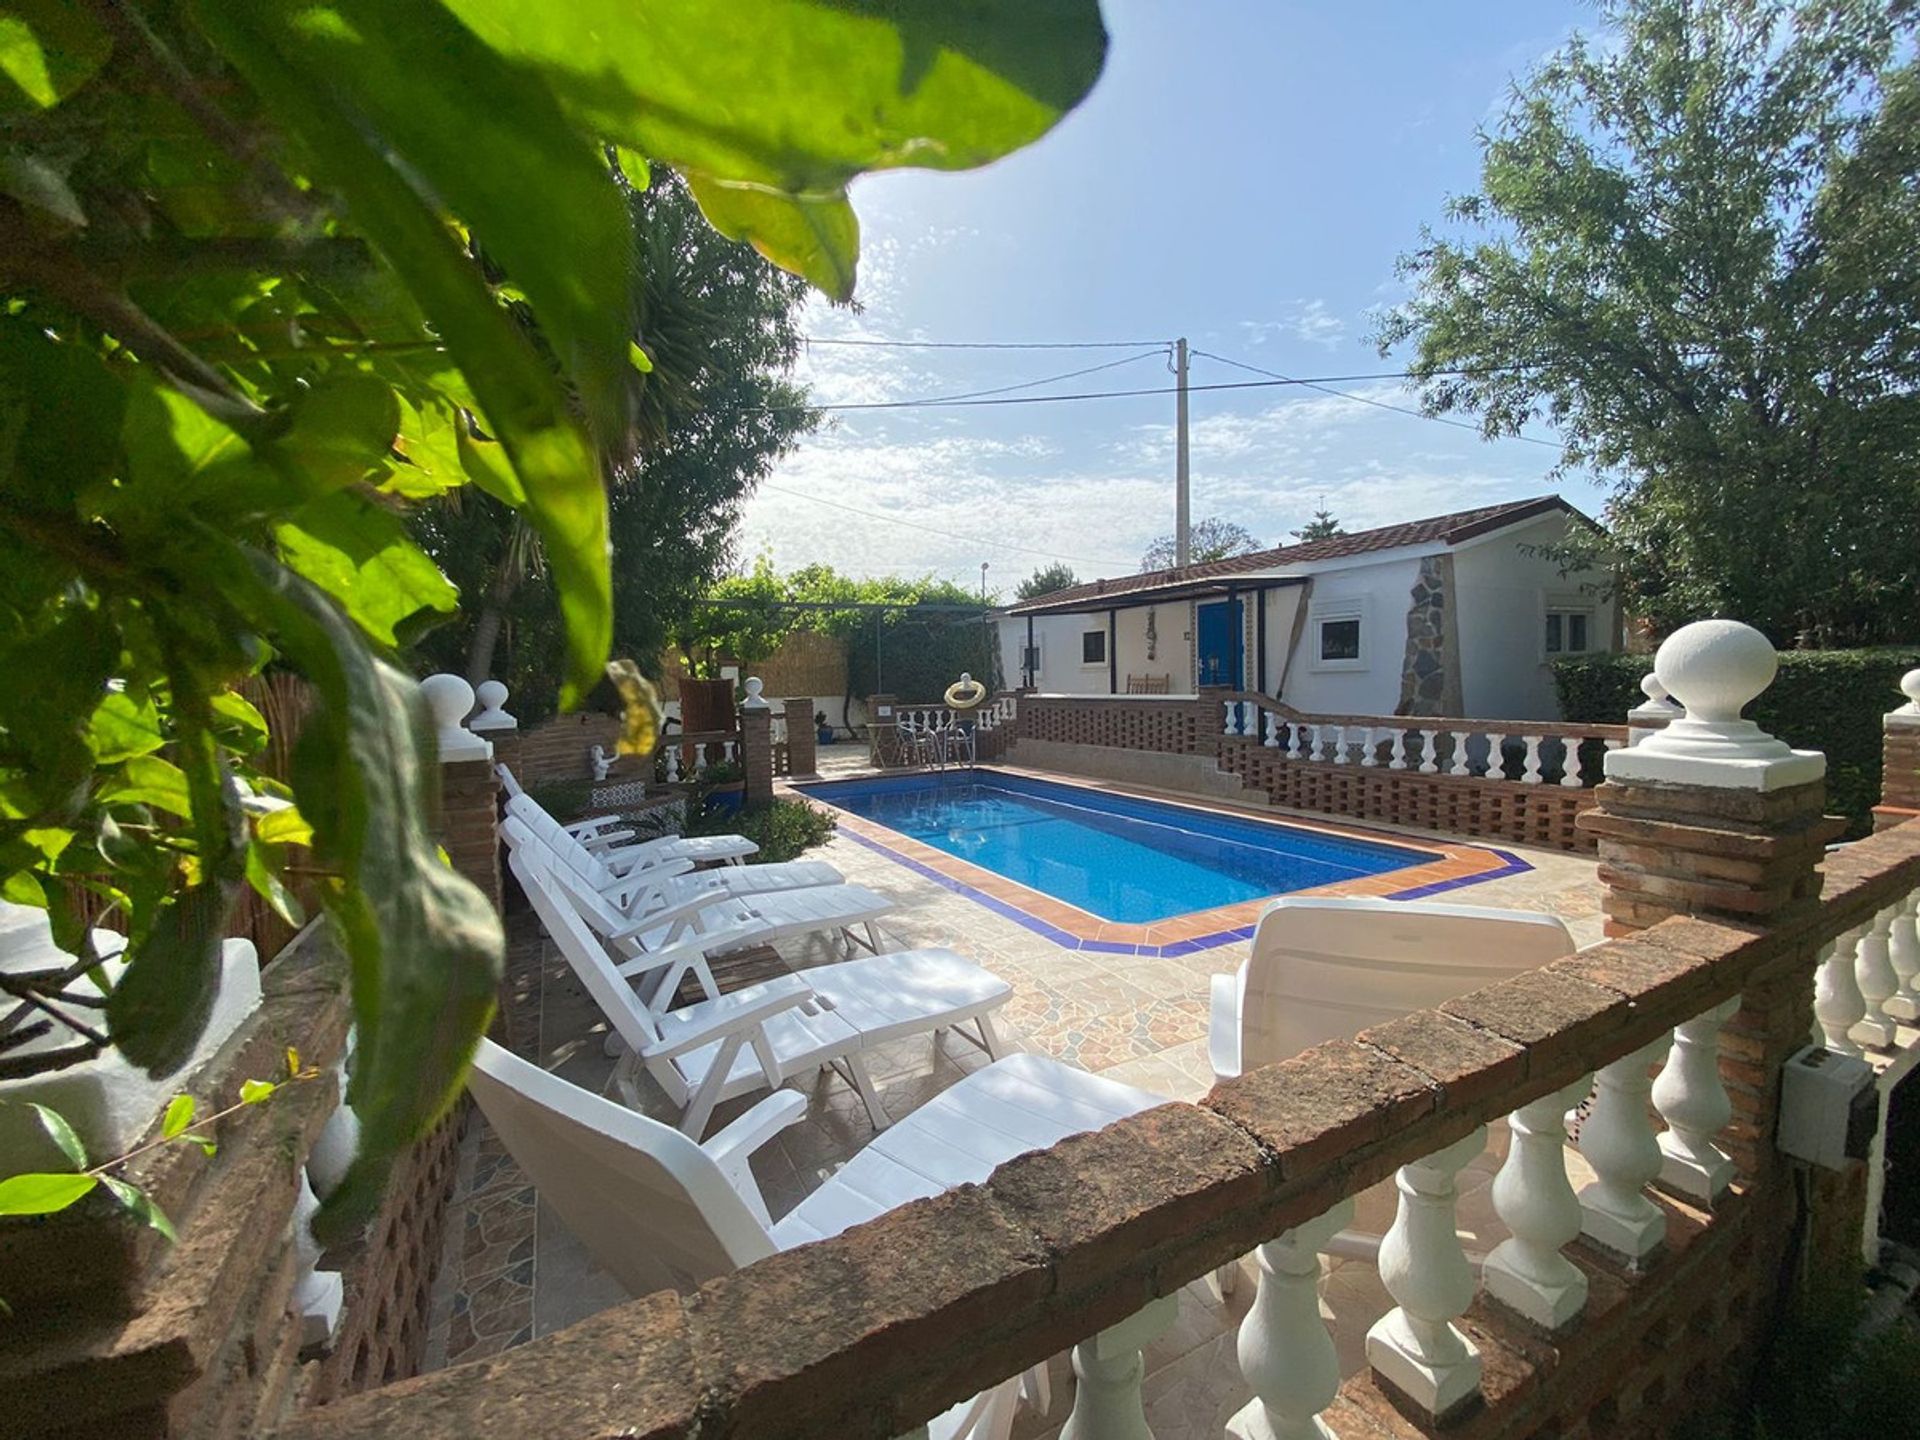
x=1829, y=700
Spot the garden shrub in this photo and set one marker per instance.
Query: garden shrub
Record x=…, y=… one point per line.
x=783, y=829
x=1830, y=700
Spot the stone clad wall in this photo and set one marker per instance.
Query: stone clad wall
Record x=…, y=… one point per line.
x=1430, y=669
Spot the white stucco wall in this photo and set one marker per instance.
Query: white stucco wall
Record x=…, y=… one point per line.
x=1377, y=594
x=1503, y=595
x=1282, y=605
x=1058, y=636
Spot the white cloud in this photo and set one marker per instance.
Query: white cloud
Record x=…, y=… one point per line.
x=1307, y=320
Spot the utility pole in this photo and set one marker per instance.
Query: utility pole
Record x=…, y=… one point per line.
x=1182, y=518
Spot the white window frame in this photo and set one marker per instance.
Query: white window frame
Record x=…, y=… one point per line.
x=1565, y=605
x=1106, y=646
x=1331, y=611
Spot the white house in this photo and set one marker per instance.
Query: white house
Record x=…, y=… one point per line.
x=1456, y=615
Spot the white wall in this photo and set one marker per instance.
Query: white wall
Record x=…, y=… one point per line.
x=1282, y=605
x=1503, y=595
x=1381, y=592
x=1058, y=636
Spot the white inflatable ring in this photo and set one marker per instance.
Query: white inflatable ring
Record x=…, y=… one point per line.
x=971, y=688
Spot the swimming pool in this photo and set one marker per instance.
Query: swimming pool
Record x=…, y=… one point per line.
x=1118, y=857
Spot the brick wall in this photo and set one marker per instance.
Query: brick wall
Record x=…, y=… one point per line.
x=559, y=748
x=1900, y=771
x=470, y=822
x=1172, y=727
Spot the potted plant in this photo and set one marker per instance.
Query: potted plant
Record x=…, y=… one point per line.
x=723, y=788
x=823, y=732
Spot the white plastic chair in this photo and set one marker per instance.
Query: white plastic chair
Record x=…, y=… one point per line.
x=657, y=1209
x=602, y=835
x=757, y=1037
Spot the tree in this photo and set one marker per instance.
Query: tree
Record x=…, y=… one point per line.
x=1696, y=251
x=1321, y=527
x=241, y=338
x=721, y=328
x=1213, y=538
x=1046, y=580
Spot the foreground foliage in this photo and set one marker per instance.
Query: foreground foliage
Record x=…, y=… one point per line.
x=272, y=275
x=1696, y=250
x=783, y=829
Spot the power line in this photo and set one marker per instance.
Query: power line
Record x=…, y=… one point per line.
x=1045, y=380
x=934, y=402
x=987, y=344
x=1367, y=400
x=934, y=529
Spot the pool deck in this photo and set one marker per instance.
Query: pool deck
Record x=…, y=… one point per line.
x=511, y=1271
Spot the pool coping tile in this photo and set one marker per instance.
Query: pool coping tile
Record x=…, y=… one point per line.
x=1072, y=928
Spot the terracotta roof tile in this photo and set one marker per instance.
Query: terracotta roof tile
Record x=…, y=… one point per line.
x=1448, y=529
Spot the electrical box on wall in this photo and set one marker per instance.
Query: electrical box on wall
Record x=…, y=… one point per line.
x=1829, y=1108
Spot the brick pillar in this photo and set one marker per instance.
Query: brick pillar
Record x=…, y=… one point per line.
x=469, y=788
x=756, y=746
x=1712, y=817
x=1900, y=759
x=881, y=716
x=802, y=743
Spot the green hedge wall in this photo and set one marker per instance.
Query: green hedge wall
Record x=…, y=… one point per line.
x=1829, y=700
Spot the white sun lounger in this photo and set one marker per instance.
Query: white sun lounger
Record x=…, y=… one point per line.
x=608, y=847
x=758, y=1037
x=1326, y=969
x=657, y=1209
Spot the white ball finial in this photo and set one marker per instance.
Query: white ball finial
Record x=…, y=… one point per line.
x=753, y=701
x=1651, y=687
x=451, y=700
x=1910, y=687
x=492, y=696
x=1715, y=668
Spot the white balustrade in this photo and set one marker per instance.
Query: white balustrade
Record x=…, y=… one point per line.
x=1294, y=733
x=1397, y=757
x=1340, y=755
x=1429, y=752
x=1526, y=1272
x=1903, y=953
x=1459, y=766
x=1873, y=968
x=1285, y=1351
x=1617, y=1141
x=1692, y=1099
x=1570, y=762
x=1369, y=746
x=1415, y=1346
x=338, y=1141
x=1838, y=1004
x=1272, y=722
x=1530, y=767
x=492, y=716
x=672, y=764
x=318, y=1295
x=1316, y=742
x=1109, y=1367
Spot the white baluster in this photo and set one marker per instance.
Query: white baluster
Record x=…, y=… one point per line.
x=1526, y=1272
x=1530, y=769
x=317, y=1294
x=1570, y=762
x=1692, y=1100
x=673, y=765
x=1429, y=752
x=1903, y=953
x=1293, y=741
x=1416, y=1346
x=1226, y=722
x=1284, y=1348
x=1617, y=1140
x=1397, y=751
x=1106, y=1402
x=1838, y=1004
x=337, y=1143
x=1369, y=745
x=1313, y=743
x=1340, y=755
x=1873, y=968
x=1460, y=766
x=1272, y=721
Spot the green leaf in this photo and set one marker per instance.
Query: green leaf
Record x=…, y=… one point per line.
x=62, y=1134
x=816, y=238
x=634, y=166
x=149, y=780
x=487, y=464
x=252, y=1092
x=48, y=49
x=342, y=430
x=42, y=1194
x=238, y=723
x=179, y=1115
x=425, y=944
x=39, y=186
x=122, y=727
x=285, y=52
x=284, y=827
x=362, y=556
x=161, y=1004
x=269, y=886
x=639, y=358
x=140, y=1205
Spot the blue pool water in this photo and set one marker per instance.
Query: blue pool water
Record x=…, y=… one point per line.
x=1114, y=856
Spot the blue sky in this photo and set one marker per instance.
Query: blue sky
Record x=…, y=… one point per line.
x=1244, y=174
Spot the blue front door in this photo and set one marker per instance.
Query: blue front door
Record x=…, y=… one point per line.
x=1218, y=639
